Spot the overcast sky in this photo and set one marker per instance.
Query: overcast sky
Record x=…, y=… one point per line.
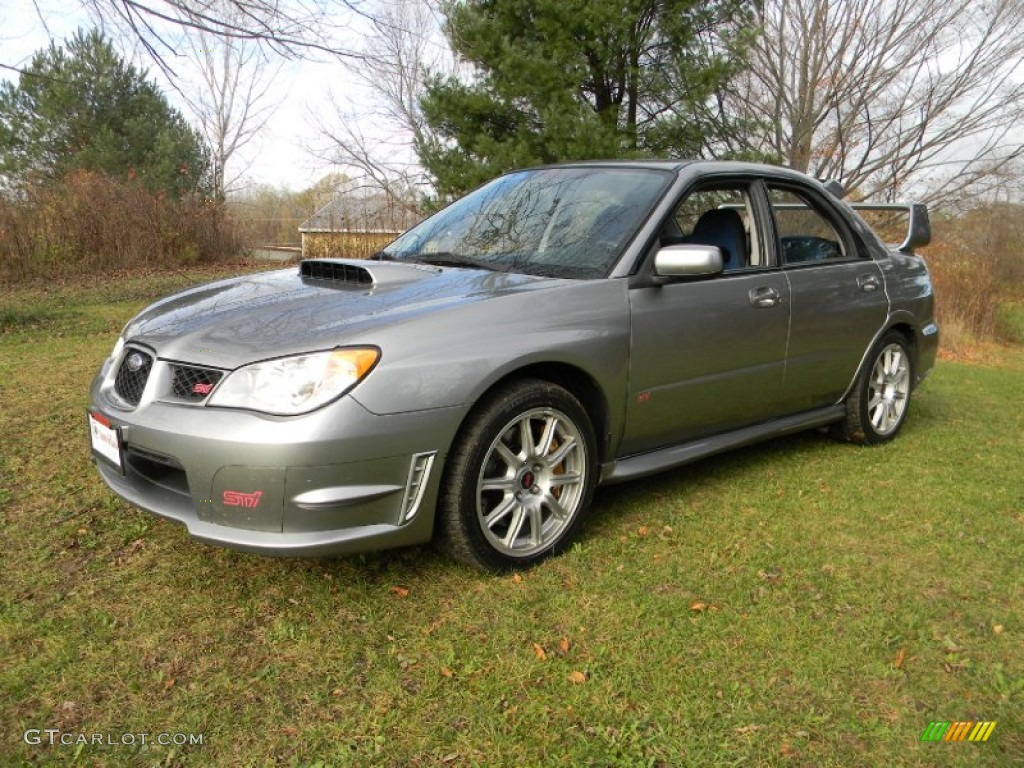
x=277, y=157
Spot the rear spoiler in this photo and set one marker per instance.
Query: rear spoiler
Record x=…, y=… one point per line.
x=919, y=228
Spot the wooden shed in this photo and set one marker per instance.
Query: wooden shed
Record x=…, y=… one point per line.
x=353, y=227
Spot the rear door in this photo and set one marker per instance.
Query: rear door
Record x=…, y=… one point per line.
x=708, y=355
x=837, y=292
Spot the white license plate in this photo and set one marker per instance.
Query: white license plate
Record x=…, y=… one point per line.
x=104, y=439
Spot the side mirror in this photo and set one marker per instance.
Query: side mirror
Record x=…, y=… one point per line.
x=688, y=261
x=919, y=231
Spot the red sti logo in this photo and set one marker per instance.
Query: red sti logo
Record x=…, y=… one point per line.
x=201, y=388
x=239, y=499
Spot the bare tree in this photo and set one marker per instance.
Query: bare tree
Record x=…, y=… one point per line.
x=288, y=28
x=230, y=103
x=888, y=95
x=402, y=49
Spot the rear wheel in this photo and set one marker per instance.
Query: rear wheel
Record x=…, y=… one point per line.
x=878, y=405
x=519, y=478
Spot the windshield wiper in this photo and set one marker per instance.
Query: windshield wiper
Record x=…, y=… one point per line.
x=445, y=259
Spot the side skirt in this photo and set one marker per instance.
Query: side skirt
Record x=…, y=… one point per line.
x=641, y=465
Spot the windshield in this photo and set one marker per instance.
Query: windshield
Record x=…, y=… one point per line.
x=556, y=222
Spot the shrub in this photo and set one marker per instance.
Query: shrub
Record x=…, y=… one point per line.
x=91, y=222
x=977, y=267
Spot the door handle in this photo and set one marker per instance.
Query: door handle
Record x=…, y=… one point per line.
x=764, y=297
x=868, y=283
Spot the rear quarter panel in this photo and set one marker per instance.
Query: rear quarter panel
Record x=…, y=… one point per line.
x=912, y=302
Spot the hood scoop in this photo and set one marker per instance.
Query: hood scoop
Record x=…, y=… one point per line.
x=336, y=272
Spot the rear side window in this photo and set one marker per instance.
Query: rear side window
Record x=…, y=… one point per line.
x=806, y=235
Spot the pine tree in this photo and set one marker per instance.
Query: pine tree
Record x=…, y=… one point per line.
x=81, y=106
x=564, y=80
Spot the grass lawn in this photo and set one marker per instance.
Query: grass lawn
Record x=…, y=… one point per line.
x=799, y=603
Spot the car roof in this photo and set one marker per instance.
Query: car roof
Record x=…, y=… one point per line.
x=694, y=166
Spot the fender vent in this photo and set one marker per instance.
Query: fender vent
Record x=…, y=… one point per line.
x=336, y=271
x=419, y=475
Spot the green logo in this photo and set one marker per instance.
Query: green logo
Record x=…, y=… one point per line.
x=959, y=731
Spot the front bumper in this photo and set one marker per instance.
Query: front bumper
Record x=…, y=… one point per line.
x=336, y=481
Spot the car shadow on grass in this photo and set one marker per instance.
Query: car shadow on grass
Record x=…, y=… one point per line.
x=612, y=502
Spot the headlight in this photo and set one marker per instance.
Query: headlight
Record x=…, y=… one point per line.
x=118, y=348
x=293, y=385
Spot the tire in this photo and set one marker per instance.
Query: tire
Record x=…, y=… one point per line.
x=880, y=400
x=519, y=479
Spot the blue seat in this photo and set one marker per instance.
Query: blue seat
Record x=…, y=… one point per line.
x=723, y=227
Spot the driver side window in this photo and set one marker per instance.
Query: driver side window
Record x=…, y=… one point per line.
x=721, y=216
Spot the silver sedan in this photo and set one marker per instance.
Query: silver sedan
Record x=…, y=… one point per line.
x=473, y=383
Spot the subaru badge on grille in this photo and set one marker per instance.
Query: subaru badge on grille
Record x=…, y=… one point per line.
x=134, y=362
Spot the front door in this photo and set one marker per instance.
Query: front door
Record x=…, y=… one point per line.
x=709, y=355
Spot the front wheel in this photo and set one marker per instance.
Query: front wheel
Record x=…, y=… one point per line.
x=878, y=404
x=519, y=478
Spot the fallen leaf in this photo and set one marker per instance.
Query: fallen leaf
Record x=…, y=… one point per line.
x=516, y=578
x=290, y=730
x=997, y=629
x=950, y=646
x=539, y=652
x=446, y=672
x=743, y=730
x=563, y=646
x=168, y=683
x=338, y=692
x=400, y=591
x=788, y=751
x=576, y=677
x=434, y=625
x=901, y=654
x=698, y=606
x=643, y=530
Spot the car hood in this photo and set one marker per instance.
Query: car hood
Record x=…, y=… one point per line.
x=271, y=314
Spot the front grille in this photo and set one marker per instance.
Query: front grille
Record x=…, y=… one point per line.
x=192, y=383
x=132, y=375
